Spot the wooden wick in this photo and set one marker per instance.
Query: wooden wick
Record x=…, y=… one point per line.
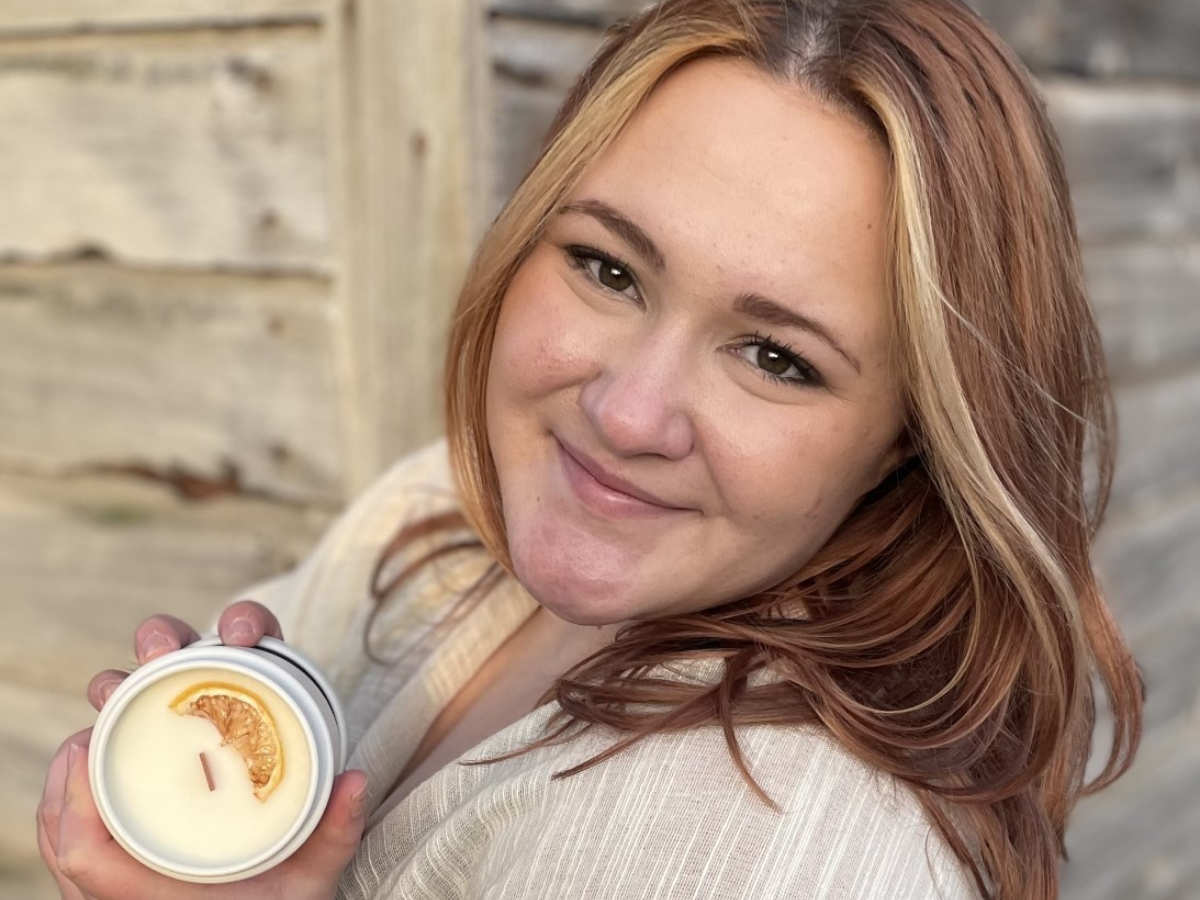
x=207, y=772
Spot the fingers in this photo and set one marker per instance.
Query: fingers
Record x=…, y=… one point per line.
x=336, y=839
x=50, y=809
x=66, y=889
x=87, y=862
x=243, y=623
x=101, y=686
x=81, y=832
x=161, y=634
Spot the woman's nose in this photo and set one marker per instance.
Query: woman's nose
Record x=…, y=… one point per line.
x=637, y=404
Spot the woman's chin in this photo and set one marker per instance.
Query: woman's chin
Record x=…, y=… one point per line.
x=578, y=597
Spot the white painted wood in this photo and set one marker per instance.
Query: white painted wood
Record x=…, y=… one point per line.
x=167, y=150
x=412, y=149
x=98, y=365
x=41, y=16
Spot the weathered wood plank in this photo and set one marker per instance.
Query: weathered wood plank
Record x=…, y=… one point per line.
x=1137, y=838
x=588, y=13
x=1159, y=434
x=1133, y=157
x=413, y=153
x=1149, y=561
x=220, y=375
x=86, y=558
x=42, y=16
x=176, y=150
x=1147, y=300
x=1104, y=38
x=535, y=63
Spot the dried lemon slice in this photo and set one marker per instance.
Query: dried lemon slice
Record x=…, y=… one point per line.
x=244, y=723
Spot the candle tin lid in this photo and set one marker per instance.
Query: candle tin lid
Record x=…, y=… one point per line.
x=297, y=687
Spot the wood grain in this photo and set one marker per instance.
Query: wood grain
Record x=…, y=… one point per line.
x=534, y=64
x=1147, y=301
x=1159, y=422
x=86, y=558
x=1102, y=38
x=24, y=17
x=1133, y=158
x=1149, y=561
x=586, y=13
x=412, y=167
x=167, y=150
x=1137, y=838
x=225, y=377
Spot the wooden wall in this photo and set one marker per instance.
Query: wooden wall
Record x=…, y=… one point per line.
x=230, y=234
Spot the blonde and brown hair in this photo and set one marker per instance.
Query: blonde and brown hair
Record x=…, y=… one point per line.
x=951, y=629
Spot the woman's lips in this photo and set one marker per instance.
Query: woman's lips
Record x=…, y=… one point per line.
x=607, y=493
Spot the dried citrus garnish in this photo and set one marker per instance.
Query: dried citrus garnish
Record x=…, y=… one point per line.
x=244, y=723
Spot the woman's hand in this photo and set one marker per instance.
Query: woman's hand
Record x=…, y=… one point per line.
x=88, y=864
x=242, y=624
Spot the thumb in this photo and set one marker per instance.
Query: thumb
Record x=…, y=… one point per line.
x=335, y=841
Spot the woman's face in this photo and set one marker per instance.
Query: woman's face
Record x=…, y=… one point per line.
x=692, y=380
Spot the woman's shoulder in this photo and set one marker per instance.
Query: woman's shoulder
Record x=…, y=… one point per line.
x=673, y=809
x=841, y=828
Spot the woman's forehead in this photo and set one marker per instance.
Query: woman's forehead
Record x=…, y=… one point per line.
x=757, y=179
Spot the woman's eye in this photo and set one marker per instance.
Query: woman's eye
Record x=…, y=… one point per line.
x=606, y=271
x=777, y=363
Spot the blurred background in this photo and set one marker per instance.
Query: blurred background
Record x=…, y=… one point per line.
x=230, y=235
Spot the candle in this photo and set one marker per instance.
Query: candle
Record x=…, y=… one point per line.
x=214, y=763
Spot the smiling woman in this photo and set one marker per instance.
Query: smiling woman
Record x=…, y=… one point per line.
x=767, y=400
x=655, y=380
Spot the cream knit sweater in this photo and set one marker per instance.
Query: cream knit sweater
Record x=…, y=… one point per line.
x=669, y=818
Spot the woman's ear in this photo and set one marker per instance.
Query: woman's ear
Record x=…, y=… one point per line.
x=895, y=461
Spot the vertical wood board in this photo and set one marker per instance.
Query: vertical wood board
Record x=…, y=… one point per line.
x=167, y=150
x=534, y=64
x=412, y=151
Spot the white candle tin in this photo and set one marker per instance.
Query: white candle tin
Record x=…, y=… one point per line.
x=149, y=783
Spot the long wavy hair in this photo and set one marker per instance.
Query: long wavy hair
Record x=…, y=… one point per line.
x=952, y=628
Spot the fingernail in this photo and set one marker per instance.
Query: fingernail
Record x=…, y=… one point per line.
x=358, y=802
x=106, y=691
x=240, y=630
x=155, y=644
x=72, y=753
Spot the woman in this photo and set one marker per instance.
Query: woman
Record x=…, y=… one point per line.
x=767, y=397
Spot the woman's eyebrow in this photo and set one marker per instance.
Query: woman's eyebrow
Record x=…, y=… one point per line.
x=622, y=226
x=755, y=306
x=771, y=313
